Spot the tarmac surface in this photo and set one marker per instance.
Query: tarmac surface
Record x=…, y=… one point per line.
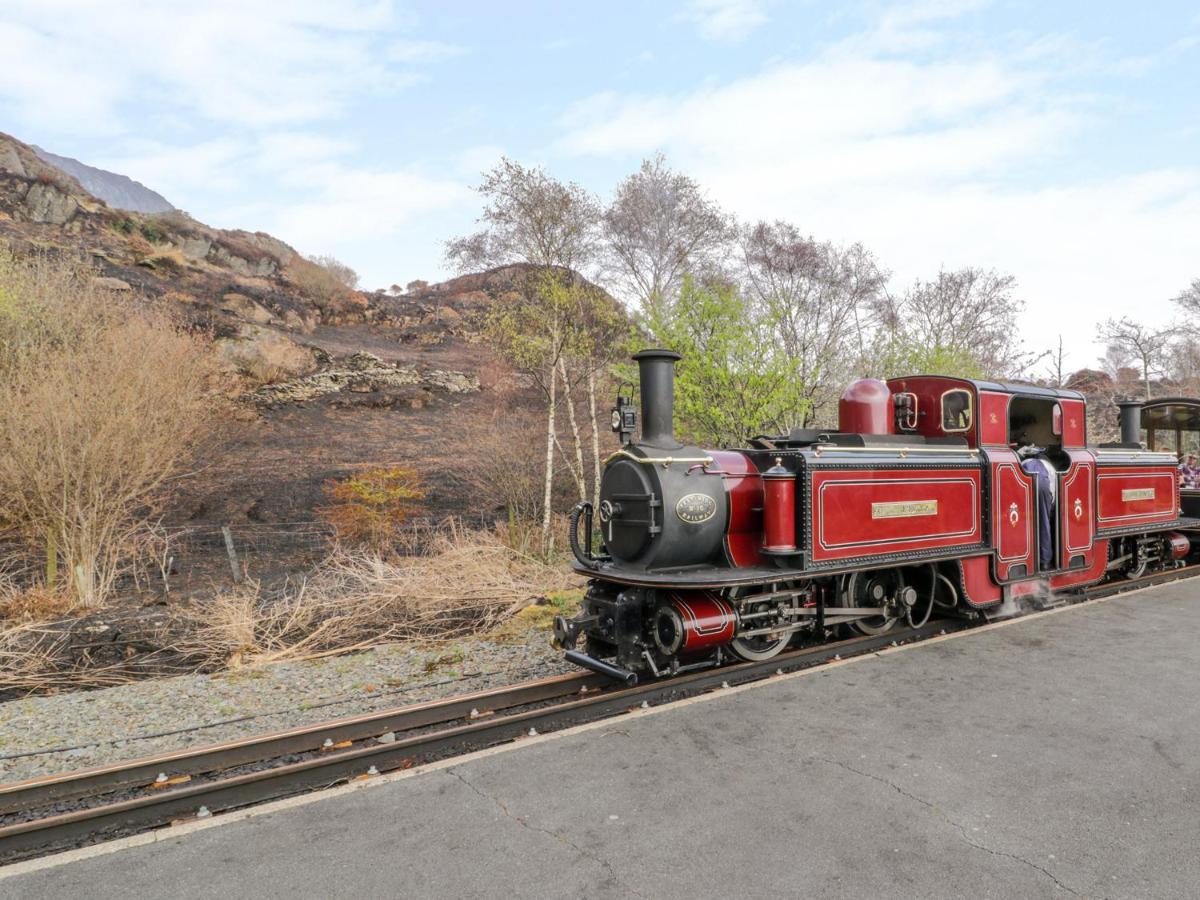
x=1050, y=757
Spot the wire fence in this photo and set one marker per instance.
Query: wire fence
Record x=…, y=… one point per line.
x=220, y=553
x=230, y=552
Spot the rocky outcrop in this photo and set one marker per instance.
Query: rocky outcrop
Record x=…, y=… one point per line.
x=364, y=373
x=46, y=202
x=263, y=355
x=247, y=308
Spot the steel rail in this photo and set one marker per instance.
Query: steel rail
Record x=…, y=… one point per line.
x=156, y=807
x=160, y=806
x=42, y=791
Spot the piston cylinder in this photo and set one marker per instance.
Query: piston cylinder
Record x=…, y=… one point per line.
x=779, y=509
x=1179, y=544
x=693, y=621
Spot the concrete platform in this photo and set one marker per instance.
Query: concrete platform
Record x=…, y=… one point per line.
x=1047, y=757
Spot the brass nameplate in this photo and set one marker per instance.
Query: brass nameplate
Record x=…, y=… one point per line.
x=904, y=509
x=1137, y=494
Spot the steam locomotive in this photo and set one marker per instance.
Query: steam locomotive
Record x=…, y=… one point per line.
x=922, y=500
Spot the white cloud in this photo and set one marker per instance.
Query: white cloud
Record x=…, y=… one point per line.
x=352, y=204
x=79, y=67
x=945, y=156
x=410, y=51
x=725, y=20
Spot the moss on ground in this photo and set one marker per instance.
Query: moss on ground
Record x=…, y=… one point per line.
x=538, y=616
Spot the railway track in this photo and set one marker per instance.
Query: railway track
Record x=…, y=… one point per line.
x=59, y=811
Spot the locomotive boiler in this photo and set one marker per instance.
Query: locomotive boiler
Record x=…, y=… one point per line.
x=934, y=493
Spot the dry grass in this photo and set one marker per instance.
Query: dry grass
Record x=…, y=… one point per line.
x=44, y=657
x=330, y=285
x=36, y=604
x=166, y=259
x=466, y=583
x=102, y=403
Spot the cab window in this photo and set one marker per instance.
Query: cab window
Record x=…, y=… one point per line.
x=956, y=410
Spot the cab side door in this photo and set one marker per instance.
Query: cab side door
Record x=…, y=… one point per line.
x=1076, y=512
x=1012, y=525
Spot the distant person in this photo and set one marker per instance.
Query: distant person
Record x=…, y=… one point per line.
x=1189, y=473
x=1044, y=475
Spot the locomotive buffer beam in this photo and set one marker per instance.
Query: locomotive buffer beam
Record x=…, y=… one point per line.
x=567, y=631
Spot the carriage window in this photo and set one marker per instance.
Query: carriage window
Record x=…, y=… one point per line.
x=1056, y=421
x=956, y=410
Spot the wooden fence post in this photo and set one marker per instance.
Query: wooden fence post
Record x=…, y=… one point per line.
x=233, y=558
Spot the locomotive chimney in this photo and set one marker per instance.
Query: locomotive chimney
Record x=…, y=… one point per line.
x=657, y=374
x=1131, y=421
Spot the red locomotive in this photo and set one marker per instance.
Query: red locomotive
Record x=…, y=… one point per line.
x=935, y=492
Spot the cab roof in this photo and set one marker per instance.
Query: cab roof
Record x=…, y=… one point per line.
x=1007, y=387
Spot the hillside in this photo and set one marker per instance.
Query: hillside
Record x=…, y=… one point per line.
x=118, y=191
x=332, y=379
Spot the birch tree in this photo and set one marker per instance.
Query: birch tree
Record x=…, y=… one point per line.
x=659, y=227
x=533, y=218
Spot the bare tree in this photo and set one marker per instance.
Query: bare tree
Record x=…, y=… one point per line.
x=1189, y=298
x=1057, y=373
x=1149, y=347
x=813, y=297
x=658, y=228
x=967, y=314
x=530, y=217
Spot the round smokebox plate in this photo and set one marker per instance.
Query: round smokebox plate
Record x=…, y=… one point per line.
x=695, y=508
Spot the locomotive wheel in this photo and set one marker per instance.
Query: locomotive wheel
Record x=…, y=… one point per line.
x=1137, y=569
x=1135, y=572
x=873, y=589
x=756, y=649
x=762, y=646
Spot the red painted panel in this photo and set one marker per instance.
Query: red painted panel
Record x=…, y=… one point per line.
x=1074, y=434
x=1076, y=508
x=743, y=488
x=1118, y=507
x=1094, y=572
x=993, y=419
x=979, y=589
x=1013, y=533
x=851, y=516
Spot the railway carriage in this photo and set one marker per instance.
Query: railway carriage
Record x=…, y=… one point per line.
x=924, y=498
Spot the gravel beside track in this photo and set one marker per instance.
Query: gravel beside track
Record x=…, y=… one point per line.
x=50, y=734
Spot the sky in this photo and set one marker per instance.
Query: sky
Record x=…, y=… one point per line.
x=1058, y=142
